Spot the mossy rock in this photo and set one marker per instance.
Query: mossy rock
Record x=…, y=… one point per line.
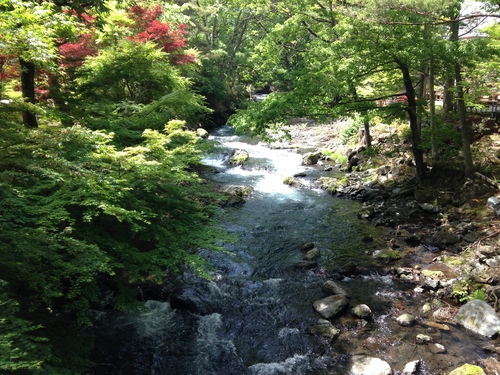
x=468, y=369
x=433, y=274
x=238, y=157
x=387, y=254
x=290, y=181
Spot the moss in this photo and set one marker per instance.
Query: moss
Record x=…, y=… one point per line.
x=387, y=254
x=289, y=180
x=335, y=156
x=332, y=183
x=433, y=274
x=468, y=369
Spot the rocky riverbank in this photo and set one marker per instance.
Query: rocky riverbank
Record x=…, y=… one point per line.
x=441, y=238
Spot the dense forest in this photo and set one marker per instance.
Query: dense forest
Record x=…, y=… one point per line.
x=100, y=103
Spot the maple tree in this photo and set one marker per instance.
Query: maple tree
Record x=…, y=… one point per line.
x=148, y=27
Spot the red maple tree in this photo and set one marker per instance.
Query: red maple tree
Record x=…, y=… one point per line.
x=147, y=27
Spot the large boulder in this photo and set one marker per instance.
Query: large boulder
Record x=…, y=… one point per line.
x=234, y=194
x=330, y=306
x=238, y=157
x=311, y=158
x=332, y=288
x=479, y=317
x=202, y=133
x=365, y=365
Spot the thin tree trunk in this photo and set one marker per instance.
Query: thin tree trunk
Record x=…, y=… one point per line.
x=413, y=119
x=432, y=110
x=368, y=137
x=464, y=127
x=448, y=97
x=28, y=91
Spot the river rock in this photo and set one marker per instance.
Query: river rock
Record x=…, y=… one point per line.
x=235, y=194
x=306, y=264
x=238, y=157
x=312, y=254
x=406, y=320
x=423, y=339
x=311, y=158
x=444, y=237
x=440, y=326
x=387, y=254
x=306, y=246
x=479, y=317
x=411, y=368
x=323, y=328
x=290, y=181
x=330, y=306
x=468, y=370
x=428, y=207
x=436, y=348
x=362, y=311
x=202, y=133
x=365, y=365
x=332, y=288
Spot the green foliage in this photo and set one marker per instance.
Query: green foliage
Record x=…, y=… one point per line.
x=466, y=291
x=335, y=155
x=75, y=207
x=447, y=138
x=137, y=72
x=350, y=131
x=20, y=348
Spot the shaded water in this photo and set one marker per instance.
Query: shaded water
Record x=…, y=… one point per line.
x=252, y=318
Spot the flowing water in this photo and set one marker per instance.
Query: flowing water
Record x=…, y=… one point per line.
x=252, y=318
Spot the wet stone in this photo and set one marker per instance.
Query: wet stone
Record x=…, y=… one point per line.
x=332, y=288
x=436, y=348
x=362, y=311
x=423, y=339
x=323, y=328
x=365, y=365
x=306, y=264
x=307, y=246
x=406, y=320
x=312, y=254
x=330, y=306
x=411, y=368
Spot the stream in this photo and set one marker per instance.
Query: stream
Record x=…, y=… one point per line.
x=252, y=318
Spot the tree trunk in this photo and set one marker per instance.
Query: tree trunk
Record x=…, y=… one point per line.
x=462, y=114
x=368, y=137
x=413, y=119
x=448, y=97
x=432, y=110
x=28, y=91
